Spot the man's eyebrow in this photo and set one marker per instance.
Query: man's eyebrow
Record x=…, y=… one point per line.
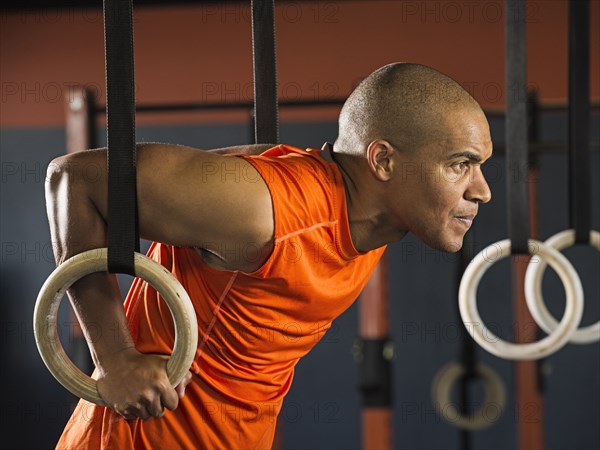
x=469, y=155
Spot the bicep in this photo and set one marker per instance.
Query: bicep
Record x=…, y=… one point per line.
x=193, y=198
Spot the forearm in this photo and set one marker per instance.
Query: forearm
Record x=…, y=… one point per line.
x=76, y=225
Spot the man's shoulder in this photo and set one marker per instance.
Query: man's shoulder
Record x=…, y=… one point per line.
x=293, y=164
x=286, y=149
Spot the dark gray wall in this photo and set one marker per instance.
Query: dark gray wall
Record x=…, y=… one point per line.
x=322, y=408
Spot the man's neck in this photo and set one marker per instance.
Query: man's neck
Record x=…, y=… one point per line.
x=370, y=227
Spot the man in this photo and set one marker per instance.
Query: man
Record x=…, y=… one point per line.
x=271, y=248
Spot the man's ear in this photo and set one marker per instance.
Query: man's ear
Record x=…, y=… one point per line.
x=380, y=157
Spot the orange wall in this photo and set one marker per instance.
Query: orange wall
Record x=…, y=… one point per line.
x=196, y=53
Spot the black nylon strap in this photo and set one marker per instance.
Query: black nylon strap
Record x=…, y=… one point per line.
x=516, y=126
x=123, y=238
x=266, y=113
x=580, y=167
x=375, y=377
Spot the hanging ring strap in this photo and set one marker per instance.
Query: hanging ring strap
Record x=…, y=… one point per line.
x=123, y=253
x=580, y=167
x=517, y=171
x=516, y=126
x=266, y=112
x=123, y=235
x=579, y=174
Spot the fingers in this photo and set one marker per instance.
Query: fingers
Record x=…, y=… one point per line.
x=147, y=391
x=169, y=398
x=132, y=411
x=144, y=410
x=155, y=407
x=150, y=405
x=180, y=388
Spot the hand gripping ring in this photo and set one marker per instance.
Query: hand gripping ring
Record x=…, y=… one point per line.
x=467, y=302
x=492, y=407
x=76, y=267
x=533, y=289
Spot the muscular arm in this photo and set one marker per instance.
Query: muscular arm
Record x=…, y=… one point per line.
x=186, y=197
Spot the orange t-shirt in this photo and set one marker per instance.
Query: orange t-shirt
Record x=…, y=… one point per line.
x=253, y=327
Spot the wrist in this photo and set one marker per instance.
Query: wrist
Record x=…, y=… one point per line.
x=117, y=357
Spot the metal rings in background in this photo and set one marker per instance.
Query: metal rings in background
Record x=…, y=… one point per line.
x=467, y=301
x=491, y=408
x=76, y=267
x=533, y=289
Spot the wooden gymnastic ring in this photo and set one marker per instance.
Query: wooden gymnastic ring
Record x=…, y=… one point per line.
x=467, y=302
x=76, y=267
x=495, y=396
x=535, y=298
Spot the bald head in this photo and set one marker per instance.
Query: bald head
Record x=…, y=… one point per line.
x=406, y=104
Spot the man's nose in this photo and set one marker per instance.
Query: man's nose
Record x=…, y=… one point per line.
x=478, y=190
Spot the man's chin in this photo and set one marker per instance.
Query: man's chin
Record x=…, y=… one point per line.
x=447, y=246
x=453, y=247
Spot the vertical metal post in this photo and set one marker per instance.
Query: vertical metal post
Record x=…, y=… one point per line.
x=375, y=354
x=468, y=351
x=80, y=124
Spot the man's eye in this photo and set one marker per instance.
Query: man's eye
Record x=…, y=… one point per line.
x=462, y=165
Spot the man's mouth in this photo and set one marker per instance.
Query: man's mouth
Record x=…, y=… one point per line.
x=466, y=220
